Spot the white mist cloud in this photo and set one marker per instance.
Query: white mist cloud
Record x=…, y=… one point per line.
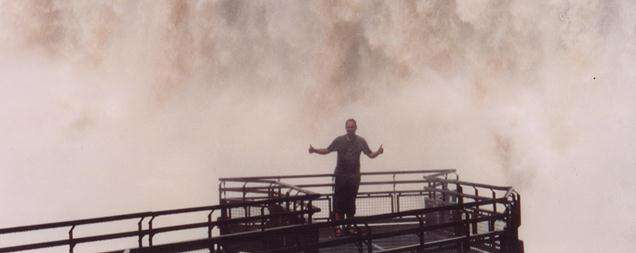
x=142, y=105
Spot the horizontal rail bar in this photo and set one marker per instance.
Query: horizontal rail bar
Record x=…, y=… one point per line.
x=345, y=240
x=204, y=243
x=412, y=212
x=452, y=181
x=150, y=214
x=284, y=185
x=145, y=232
x=441, y=242
x=331, y=194
x=330, y=184
x=74, y=222
x=331, y=175
x=73, y=241
x=454, y=193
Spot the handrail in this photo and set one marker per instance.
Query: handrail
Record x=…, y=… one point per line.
x=331, y=184
x=142, y=215
x=147, y=214
x=441, y=242
x=331, y=175
x=204, y=243
x=245, y=180
x=452, y=181
x=144, y=232
x=74, y=222
x=463, y=202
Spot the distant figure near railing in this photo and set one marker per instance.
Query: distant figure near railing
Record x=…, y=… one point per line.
x=392, y=193
x=347, y=172
x=380, y=192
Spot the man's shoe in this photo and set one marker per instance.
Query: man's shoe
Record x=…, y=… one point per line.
x=353, y=231
x=338, y=232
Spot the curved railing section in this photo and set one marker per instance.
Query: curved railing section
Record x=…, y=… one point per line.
x=398, y=211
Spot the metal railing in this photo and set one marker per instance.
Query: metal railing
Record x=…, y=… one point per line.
x=423, y=210
x=146, y=228
x=461, y=240
x=393, y=188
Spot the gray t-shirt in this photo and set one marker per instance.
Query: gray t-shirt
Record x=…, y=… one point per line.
x=349, y=154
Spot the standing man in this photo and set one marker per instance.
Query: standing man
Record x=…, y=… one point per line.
x=347, y=173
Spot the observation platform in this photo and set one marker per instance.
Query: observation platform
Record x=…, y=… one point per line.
x=397, y=211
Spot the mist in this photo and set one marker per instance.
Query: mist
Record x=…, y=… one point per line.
x=111, y=107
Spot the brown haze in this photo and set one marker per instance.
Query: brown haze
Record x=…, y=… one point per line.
x=119, y=106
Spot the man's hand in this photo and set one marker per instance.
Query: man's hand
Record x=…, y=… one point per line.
x=321, y=151
x=376, y=153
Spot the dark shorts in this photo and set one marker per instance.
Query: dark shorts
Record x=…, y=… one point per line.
x=345, y=192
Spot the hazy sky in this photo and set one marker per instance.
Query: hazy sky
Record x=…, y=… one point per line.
x=110, y=107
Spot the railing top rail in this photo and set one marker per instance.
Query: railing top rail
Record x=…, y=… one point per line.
x=148, y=214
x=74, y=222
x=452, y=181
x=195, y=244
x=274, y=177
x=303, y=186
x=305, y=191
x=300, y=186
x=331, y=175
x=408, y=172
x=286, y=185
x=511, y=191
x=362, y=219
x=141, y=232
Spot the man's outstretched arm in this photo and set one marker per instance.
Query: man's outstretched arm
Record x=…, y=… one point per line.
x=376, y=153
x=322, y=151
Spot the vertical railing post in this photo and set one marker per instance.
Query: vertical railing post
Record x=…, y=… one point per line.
x=263, y=219
x=459, y=216
x=420, y=233
x=393, y=200
x=329, y=205
x=210, y=227
x=510, y=241
x=466, y=228
x=394, y=183
x=491, y=222
x=302, y=210
x=210, y=224
x=150, y=232
x=310, y=214
x=444, y=189
x=139, y=230
x=476, y=211
x=245, y=207
x=221, y=191
x=70, y=237
x=369, y=237
x=516, y=244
